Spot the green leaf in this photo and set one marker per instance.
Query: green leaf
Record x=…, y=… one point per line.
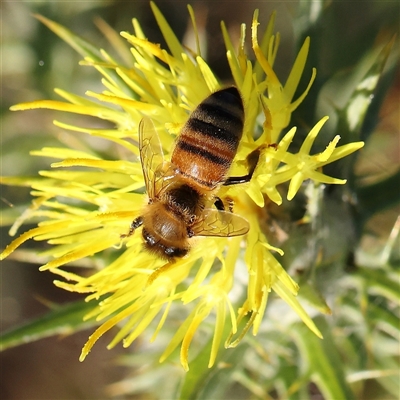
x=372, y=200
x=347, y=96
x=220, y=380
x=295, y=386
x=202, y=382
x=62, y=320
x=358, y=104
x=386, y=320
x=197, y=374
x=382, y=282
x=390, y=380
x=323, y=360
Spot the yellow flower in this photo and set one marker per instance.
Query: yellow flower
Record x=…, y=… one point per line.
x=87, y=209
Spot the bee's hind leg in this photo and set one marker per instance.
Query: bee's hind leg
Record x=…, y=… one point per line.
x=252, y=161
x=219, y=204
x=136, y=223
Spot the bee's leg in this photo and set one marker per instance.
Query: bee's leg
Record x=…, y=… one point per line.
x=235, y=180
x=219, y=204
x=230, y=204
x=252, y=161
x=136, y=223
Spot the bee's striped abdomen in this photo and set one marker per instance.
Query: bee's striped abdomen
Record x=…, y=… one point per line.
x=209, y=140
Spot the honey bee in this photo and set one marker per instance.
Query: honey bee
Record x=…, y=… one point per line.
x=182, y=193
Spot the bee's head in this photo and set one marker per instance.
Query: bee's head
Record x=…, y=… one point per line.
x=164, y=234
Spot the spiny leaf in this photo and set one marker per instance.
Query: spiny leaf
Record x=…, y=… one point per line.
x=202, y=382
x=62, y=320
x=323, y=361
x=385, y=284
x=379, y=196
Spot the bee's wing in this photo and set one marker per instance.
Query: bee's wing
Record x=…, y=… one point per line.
x=151, y=155
x=220, y=223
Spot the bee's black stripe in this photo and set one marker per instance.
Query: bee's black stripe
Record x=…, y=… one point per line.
x=210, y=130
x=203, y=153
x=216, y=112
x=227, y=96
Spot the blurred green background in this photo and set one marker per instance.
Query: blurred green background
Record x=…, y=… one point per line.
x=34, y=61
